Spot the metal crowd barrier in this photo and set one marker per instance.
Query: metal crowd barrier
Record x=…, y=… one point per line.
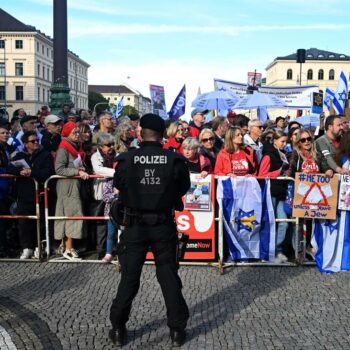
x=30, y=217
x=48, y=217
x=222, y=265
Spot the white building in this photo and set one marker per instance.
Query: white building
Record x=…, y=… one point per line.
x=26, y=68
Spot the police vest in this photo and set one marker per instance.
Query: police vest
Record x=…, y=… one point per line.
x=150, y=179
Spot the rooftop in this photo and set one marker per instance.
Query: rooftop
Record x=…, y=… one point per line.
x=316, y=54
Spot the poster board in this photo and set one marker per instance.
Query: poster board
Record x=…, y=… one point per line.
x=315, y=196
x=199, y=225
x=344, y=193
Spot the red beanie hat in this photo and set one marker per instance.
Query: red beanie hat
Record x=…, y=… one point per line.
x=67, y=128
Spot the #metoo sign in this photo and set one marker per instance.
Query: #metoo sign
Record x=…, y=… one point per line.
x=315, y=196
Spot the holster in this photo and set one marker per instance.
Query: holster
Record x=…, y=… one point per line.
x=181, y=246
x=120, y=214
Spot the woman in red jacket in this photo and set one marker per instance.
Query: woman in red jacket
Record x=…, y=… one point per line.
x=175, y=133
x=235, y=158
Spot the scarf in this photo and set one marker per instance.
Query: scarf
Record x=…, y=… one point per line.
x=69, y=147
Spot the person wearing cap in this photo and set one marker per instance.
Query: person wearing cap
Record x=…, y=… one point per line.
x=198, y=119
x=151, y=182
x=52, y=134
x=28, y=123
x=134, y=122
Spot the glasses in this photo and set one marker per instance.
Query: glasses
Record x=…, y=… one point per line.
x=185, y=129
x=109, y=145
x=304, y=139
x=180, y=130
x=259, y=126
x=211, y=139
x=33, y=141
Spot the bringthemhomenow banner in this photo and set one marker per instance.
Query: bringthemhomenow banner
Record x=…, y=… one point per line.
x=298, y=97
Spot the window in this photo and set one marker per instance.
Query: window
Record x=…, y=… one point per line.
x=2, y=44
x=2, y=68
x=19, y=69
x=48, y=74
x=47, y=52
x=44, y=94
x=38, y=94
x=38, y=70
x=43, y=72
x=37, y=47
x=289, y=74
x=43, y=49
x=331, y=74
x=2, y=93
x=310, y=74
x=19, y=93
x=19, y=44
x=48, y=95
x=320, y=74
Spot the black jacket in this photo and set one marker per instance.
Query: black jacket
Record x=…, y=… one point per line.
x=41, y=163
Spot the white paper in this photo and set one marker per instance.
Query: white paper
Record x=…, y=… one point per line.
x=77, y=162
x=20, y=163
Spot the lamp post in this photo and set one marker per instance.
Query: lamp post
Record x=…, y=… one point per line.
x=100, y=103
x=5, y=82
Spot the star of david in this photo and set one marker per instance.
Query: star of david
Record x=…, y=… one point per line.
x=222, y=89
x=342, y=96
x=246, y=220
x=332, y=227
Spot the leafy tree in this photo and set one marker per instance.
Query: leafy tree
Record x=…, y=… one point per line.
x=94, y=98
x=128, y=110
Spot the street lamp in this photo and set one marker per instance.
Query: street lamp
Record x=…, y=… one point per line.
x=100, y=103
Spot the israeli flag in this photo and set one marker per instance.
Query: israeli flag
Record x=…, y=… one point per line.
x=341, y=94
x=248, y=218
x=328, y=97
x=119, y=107
x=179, y=106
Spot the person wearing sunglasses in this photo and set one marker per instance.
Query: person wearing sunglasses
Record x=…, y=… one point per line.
x=28, y=123
x=186, y=128
x=207, y=141
x=175, y=133
x=305, y=159
x=39, y=166
x=252, y=138
x=235, y=158
x=103, y=163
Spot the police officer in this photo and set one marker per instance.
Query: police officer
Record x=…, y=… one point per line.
x=151, y=181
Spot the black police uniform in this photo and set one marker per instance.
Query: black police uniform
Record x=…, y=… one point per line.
x=151, y=181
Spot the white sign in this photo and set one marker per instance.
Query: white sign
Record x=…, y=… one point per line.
x=344, y=193
x=298, y=97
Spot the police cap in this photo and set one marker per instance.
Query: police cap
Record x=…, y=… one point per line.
x=153, y=122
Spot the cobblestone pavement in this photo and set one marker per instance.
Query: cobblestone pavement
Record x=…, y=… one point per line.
x=65, y=306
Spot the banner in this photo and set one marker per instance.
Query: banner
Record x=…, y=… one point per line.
x=199, y=225
x=248, y=217
x=298, y=97
x=315, y=196
x=158, y=100
x=179, y=106
x=317, y=102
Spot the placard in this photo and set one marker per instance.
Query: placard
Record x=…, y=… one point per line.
x=198, y=196
x=344, y=193
x=315, y=196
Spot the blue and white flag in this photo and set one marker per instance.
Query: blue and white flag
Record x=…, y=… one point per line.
x=328, y=97
x=179, y=105
x=263, y=114
x=341, y=94
x=248, y=217
x=331, y=239
x=119, y=107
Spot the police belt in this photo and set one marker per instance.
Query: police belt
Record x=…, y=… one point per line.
x=150, y=218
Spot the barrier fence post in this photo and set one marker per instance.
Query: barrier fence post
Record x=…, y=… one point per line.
x=28, y=217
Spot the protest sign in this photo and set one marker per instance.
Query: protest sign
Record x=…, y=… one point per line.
x=344, y=193
x=315, y=196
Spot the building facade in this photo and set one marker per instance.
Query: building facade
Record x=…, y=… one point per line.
x=26, y=68
x=132, y=97
x=321, y=68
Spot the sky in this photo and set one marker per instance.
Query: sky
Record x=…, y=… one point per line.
x=172, y=43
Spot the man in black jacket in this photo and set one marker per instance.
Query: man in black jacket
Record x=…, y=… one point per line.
x=38, y=164
x=151, y=181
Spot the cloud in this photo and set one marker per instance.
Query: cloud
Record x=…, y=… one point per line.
x=78, y=30
x=171, y=74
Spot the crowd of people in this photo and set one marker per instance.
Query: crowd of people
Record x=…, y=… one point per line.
x=75, y=144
